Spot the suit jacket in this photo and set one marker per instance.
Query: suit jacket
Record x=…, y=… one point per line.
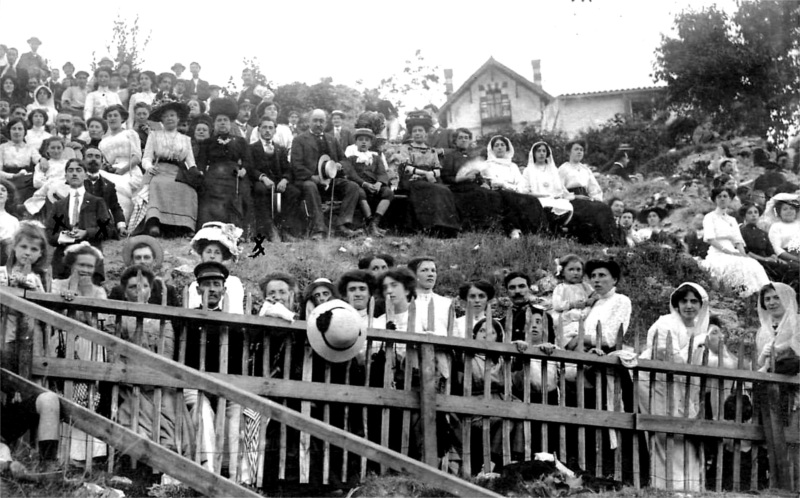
x=93, y=211
x=108, y=192
x=202, y=91
x=276, y=166
x=345, y=137
x=441, y=138
x=306, y=154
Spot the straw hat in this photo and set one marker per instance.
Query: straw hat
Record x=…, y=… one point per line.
x=127, y=249
x=335, y=331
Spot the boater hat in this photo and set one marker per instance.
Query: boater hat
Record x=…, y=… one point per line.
x=327, y=168
x=127, y=249
x=364, y=132
x=335, y=331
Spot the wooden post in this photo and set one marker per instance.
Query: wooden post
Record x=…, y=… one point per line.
x=427, y=404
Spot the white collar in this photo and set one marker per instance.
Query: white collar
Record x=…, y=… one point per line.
x=80, y=191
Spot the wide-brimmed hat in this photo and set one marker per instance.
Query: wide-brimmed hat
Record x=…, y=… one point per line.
x=419, y=118
x=226, y=234
x=34, y=41
x=335, y=331
x=644, y=213
x=326, y=167
x=363, y=132
x=225, y=107
x=609, y=264
x=168, y=104
x=178, y=65
x=116, y=107
x=127, y=249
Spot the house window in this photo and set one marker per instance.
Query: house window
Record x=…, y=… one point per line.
x=495, y=105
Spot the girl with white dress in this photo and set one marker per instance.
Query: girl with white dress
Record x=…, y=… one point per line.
x=123, y=151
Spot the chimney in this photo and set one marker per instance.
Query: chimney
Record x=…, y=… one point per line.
x=537, y=72
x=448, y=82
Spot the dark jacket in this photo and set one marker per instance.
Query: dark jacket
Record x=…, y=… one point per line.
x=452, y=162
x=361, y=172
x=93, y=213
x=108, y=192
x=306, y=154
x=276, y=166
x=201, y=90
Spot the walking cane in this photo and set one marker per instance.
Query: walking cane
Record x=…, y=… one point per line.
x=330, y=219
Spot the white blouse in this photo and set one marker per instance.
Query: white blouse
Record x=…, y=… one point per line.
x=781, y=234
x=98, y=101
x=168, y=146
x=579, y=175
x=506, y=175
x=22, y=155
x=724, y=229
x=611, y=311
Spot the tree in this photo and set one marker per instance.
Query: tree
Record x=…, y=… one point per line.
x=124, y=46
x=418, y=84
x=323, y=95
x=232, y=88
x=740, y=71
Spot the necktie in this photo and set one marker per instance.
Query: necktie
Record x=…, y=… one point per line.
x=336, y=134
x=76, y=207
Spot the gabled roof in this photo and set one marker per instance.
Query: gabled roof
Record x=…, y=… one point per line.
x=641, y=89
x=492, y=63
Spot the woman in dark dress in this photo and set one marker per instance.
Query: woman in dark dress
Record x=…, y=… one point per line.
x=224, y=161
x=432, y=204
x=758, y=246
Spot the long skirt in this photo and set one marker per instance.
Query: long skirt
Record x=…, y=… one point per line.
x=170, y=202
x=522, y=212
x=592, y=222
x=434, y=207
x=126, y=186
x=22, y=184
x=740, y=272
x=220, y=199
x=478, y=208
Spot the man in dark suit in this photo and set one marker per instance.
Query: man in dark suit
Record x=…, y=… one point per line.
x=31, y=63
x=269, y=174
x=100, y=187
x=307, y=148
x=441, y=139
x=341, y=134
x=78, y=217
x=196, y=86
x=619, y=166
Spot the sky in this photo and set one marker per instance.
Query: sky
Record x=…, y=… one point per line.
x=583, y=46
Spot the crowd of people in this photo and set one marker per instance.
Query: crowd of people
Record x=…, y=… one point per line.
x=142, y=156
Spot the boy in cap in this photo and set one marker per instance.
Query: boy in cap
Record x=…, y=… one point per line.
x=367, y=169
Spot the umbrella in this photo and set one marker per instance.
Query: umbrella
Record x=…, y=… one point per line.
x=139, y=212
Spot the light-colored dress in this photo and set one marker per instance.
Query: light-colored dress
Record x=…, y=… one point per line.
x=740, y=272
x=544, y=182
x=36, y=136
x=172, y=203
x=611, y=311
x=782, y=235
x=580, y=176
x=98, y=101
x=8, y=225
x=564, y=295
x=120, y=150
x=53, y=182
x=673, y=324
x=15, y=156
x=83, y=351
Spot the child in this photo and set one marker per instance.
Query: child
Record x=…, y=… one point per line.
x=367, y=169
x=27, y=262
x=49, y=177
x=571, y=298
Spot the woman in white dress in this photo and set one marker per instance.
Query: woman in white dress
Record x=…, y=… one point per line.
x=43, y=99
x=727, y=259
x=123, y=151
x=543, y=182
x=37, y=131
x=784, y=231
x=147, y=80
x=102, y=97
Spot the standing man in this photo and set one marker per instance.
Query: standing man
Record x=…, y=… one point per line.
x=31, y=62
x=84, y=218
x=307, y=149
x=424, y=270
x=342, y=135
x=10, y=69
x=252, y=92
x=197, y=87
x=178, y=69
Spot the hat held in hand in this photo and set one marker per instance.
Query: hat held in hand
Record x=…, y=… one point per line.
x=335, y=331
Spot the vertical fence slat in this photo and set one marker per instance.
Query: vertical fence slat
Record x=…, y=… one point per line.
x=637, y=478
x=326, y=417
x=305, y=409
x=137, y=394
x=287, y=368
x=670, y=413
x=526, y=377
x=718, y=416
x=562, y=385
x=466, y=425
x=580, y=386
x=755, y=446
x=651, y=378
x=737, y=443
x=220, y=423
x=598, y=404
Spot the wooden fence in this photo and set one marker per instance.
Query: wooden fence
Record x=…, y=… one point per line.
x=436, y=413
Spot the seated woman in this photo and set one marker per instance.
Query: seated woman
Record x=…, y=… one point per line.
x=37, y=130
x=592, y=220
x=17, y=160
x=81, y=260
x=543, y=182
x=432, y=204
x=688, y=317
x=122, y=149
x=784, y=232
x=758, y=246
x=168, y=157
x=655, y=232
x=137, y=282
x=219, y=242
x=726, y=258
x=522, y=213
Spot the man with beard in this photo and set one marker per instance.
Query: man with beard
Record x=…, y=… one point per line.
x=307, y=149
x=72, y=146
x=81, y=217
x=241, y=125
x=518, y=288
x=98, y=186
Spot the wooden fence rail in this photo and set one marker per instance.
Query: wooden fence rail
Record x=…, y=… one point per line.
x=424, y=396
